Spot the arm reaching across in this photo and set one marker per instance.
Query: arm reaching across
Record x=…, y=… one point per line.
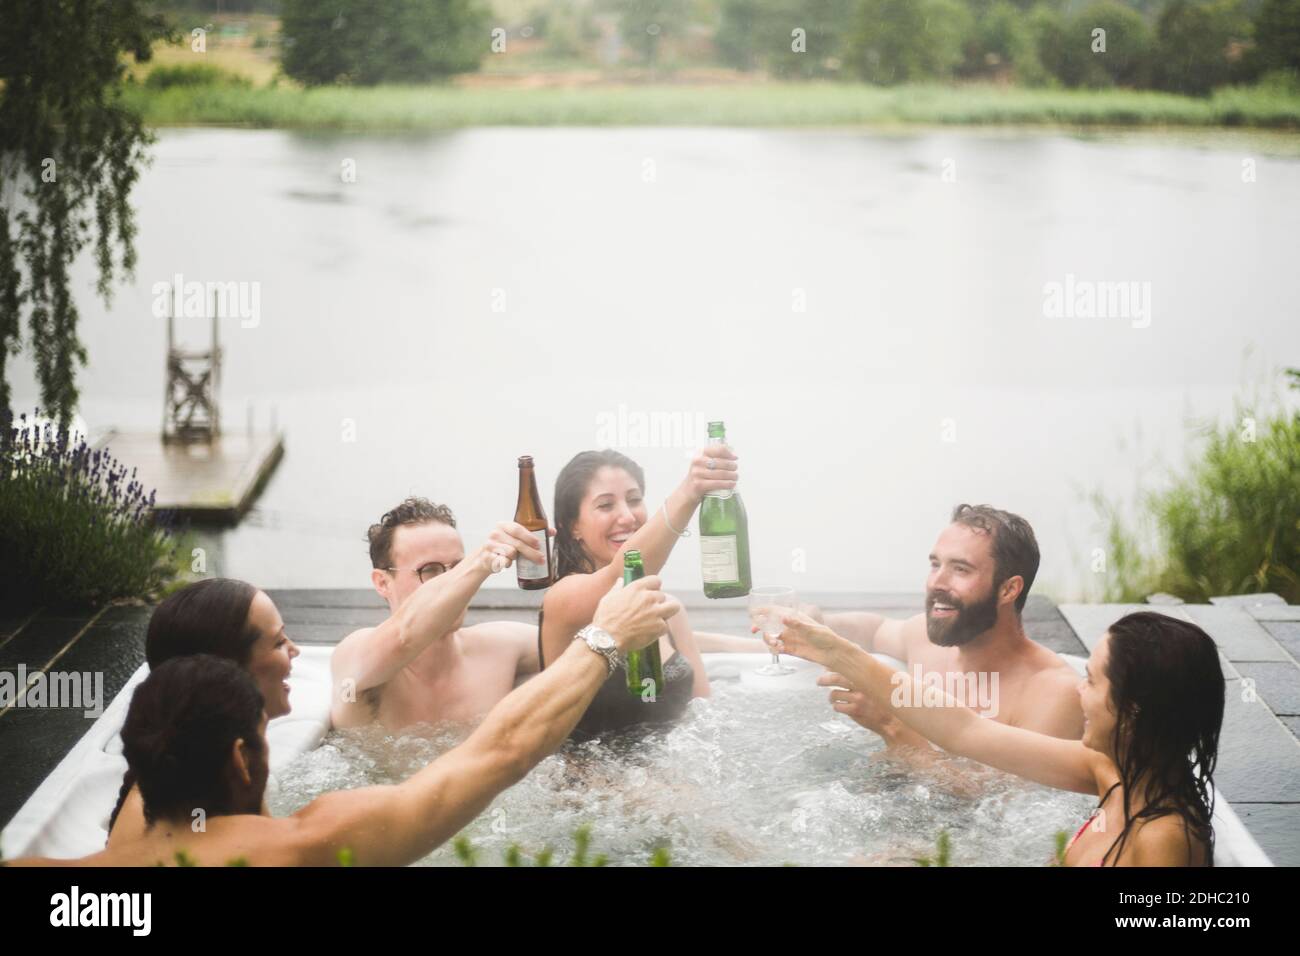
x=866, y=712
x=389, y=826
x=1066, y=764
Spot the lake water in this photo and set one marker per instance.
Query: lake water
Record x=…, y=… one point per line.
x=865, y=310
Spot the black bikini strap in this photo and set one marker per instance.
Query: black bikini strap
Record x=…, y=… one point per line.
x=1106, y=796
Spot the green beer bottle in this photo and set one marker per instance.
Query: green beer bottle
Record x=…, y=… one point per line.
x=724, y=537
x=645, y=662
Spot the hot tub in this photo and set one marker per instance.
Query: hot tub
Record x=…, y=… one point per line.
x=761, y=773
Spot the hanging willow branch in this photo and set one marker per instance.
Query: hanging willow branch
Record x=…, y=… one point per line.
x=70, y=154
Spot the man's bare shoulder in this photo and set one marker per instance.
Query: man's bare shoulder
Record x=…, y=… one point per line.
x=912, y=629
x=1050, y=703
x=501, y=632
x=1049, y=669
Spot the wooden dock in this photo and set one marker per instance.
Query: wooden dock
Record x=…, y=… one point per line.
x=212, y=483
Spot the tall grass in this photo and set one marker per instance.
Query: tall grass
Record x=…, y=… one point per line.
x=1230, y=524
x=766, y=104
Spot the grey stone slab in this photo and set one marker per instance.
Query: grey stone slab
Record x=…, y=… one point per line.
x=1278, y=684
x=39, y=641
x=1275, y=827
x=1292, y=722
x=12, y=622
x=349, y=617
x=1248, y=600
x=1039, y=608
x=317, y=633
x=114, y=647
x=1091, y=621
x=1276, y=612
x=1286, y=633
x=1278, y=628
x=33, y=740
x=1259, y=759
x=1239, y=636
x=323, y=597
x=1057, y=636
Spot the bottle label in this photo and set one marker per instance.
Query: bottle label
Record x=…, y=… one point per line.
x=721, y=558
x=530, y=570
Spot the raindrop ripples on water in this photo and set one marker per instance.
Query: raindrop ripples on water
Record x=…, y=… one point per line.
x=747, y=777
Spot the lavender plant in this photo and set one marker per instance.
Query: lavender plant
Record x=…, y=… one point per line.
x=76, y=527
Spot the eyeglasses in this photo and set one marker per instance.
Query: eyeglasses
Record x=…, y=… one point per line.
x=428, y=572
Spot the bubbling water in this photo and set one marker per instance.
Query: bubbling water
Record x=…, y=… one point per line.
x=750, y=776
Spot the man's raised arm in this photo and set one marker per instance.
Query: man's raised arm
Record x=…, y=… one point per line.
x=372, y=657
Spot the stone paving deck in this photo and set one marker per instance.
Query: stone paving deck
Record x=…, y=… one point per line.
x=1259, y=639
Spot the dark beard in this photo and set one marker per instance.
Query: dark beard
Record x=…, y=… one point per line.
x=971, y=621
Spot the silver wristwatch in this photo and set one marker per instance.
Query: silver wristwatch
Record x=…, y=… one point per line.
x=599, y=641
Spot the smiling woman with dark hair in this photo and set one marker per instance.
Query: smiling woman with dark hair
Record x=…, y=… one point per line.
x=600, y=513
x=219, y=617
x=1152, y=701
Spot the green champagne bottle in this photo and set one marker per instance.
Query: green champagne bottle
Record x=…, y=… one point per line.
x=647, y=661
x=724, y=537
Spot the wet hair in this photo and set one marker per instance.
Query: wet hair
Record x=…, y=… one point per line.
x=207, y=617
x=411, y=511
x=570, y=488
x=178, y=733
x=1167, y=688
x=1015, y=549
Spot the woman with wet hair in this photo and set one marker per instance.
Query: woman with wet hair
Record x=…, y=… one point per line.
x=1152, y=700
x=223, y=618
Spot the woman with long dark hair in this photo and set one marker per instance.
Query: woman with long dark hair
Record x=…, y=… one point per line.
x=599, y=514
x=1152, y=701
x=223, y=618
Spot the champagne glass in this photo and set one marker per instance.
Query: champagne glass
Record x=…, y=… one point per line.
x=767, y=607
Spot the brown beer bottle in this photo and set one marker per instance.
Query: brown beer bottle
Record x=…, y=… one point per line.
x=529, y=513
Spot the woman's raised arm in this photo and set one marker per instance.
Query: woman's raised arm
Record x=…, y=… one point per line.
x=571, y=601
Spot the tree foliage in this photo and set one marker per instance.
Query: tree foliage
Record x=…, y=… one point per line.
x=70, y=154
x=1195, y=39
x=1277, y=36
x=902, y=41
x=761, y=35
x=366, y=42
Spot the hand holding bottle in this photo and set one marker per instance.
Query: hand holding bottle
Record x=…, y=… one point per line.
x=636, y=614
x=509, y=540
x=712, y=469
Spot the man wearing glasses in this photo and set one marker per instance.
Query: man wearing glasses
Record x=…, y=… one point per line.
x=421, y=664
